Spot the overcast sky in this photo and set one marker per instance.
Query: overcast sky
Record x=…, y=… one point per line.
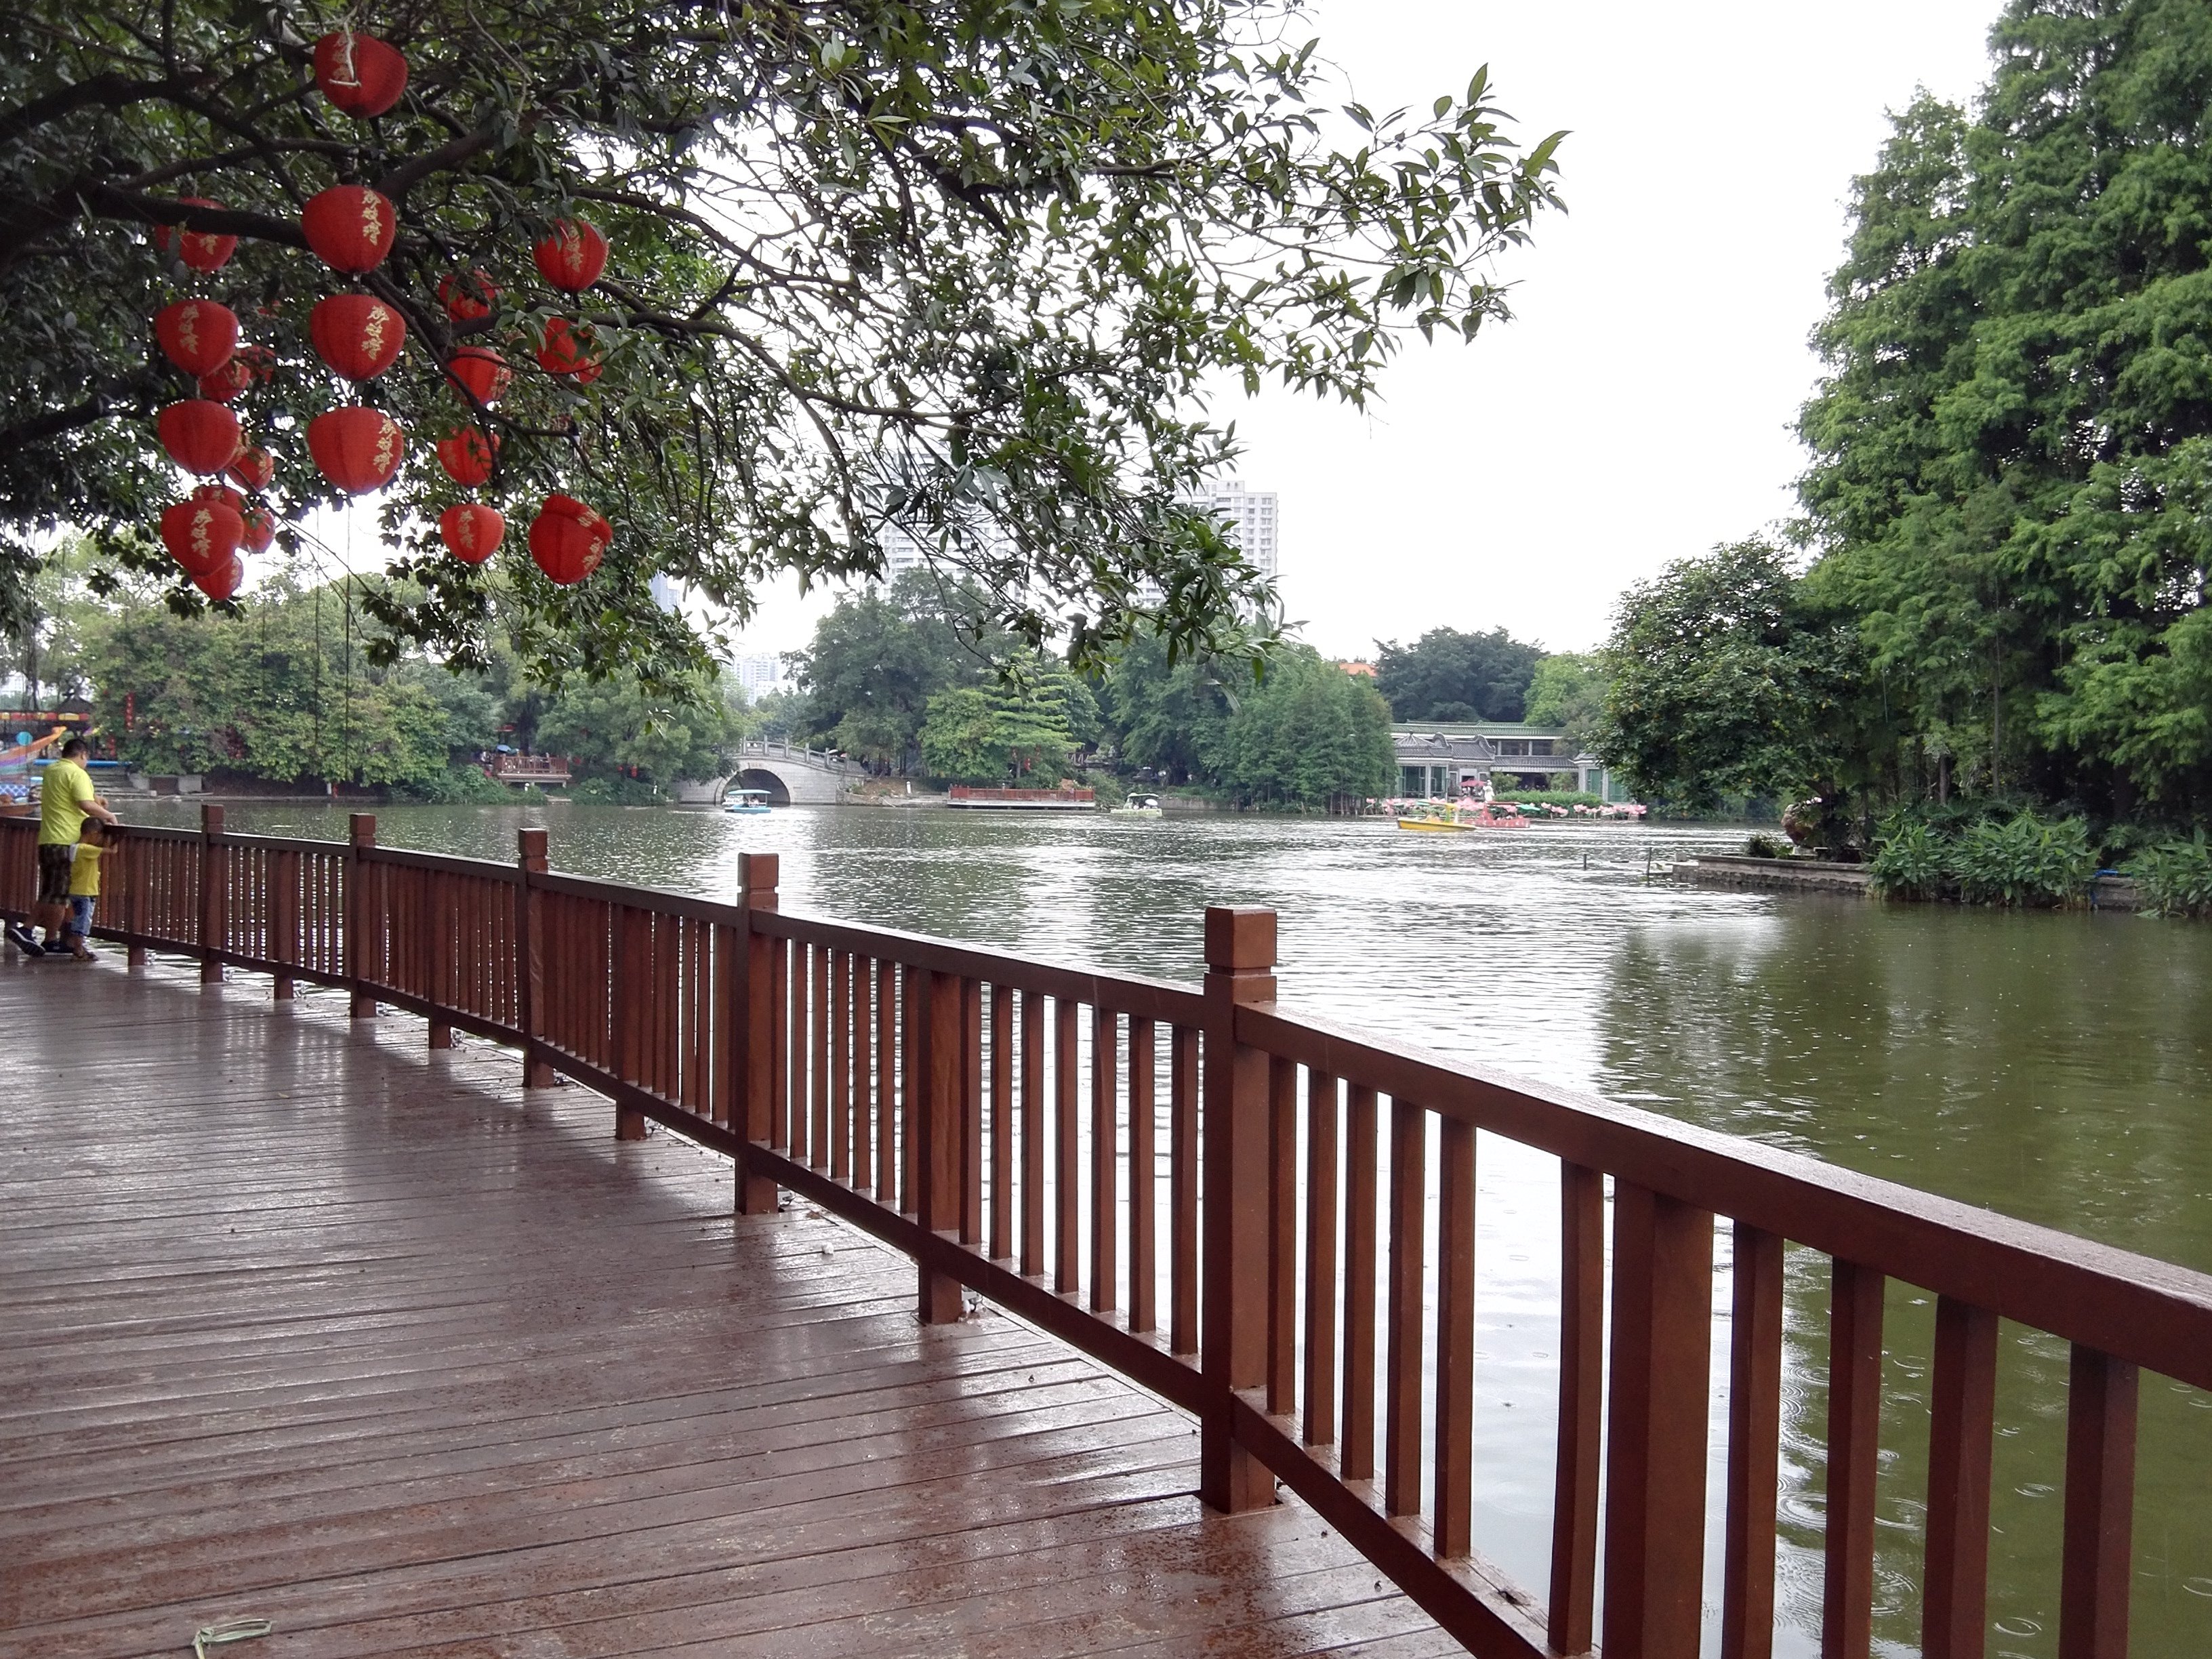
x=1638, y=408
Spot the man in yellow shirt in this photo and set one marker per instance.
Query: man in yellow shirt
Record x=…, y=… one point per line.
x=65, y=800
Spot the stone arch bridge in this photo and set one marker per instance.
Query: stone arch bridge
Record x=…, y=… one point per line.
x=792, y=775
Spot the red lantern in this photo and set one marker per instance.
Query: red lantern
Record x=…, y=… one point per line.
x=226, y=383
x=568, y=350
x=467, y=453
x=222, y=582
x=359, y=73
x=252, y=470
x=201, y=535
x=567, y=539
x=202, y=250
x=356, y=447
x=572, y=257
x=349, y=226
x=247, y=365
x=200, y=434
x=473, y=532
x=260, y=530
x=220, y=493
x=480, y=372
x=198, y=335
x=356, y=334
x=467, y=298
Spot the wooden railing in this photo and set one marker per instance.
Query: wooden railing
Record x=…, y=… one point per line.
x=1235, y=1207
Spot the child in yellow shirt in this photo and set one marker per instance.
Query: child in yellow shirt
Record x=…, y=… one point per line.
x=94, y=839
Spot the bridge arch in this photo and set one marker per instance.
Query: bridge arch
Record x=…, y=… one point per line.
x=761, y=777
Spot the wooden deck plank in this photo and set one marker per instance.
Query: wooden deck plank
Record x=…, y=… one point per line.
x=310, y=1323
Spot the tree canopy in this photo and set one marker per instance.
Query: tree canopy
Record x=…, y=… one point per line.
x=1446, y=675
x=959, y=266
x=2012, y=447
x=1726, y=682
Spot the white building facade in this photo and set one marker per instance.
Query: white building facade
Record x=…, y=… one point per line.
x=1253, y=517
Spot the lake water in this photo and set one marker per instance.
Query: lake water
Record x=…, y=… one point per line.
x=2058, y=1068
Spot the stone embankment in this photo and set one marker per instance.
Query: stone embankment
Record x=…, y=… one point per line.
x=1816, y=875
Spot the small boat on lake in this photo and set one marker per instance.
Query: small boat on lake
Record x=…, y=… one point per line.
x=1139, y=807
x=745, y=801
x=1452, y=816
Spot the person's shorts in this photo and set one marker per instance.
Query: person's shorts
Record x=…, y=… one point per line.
x=54, y=861
x=80, y=921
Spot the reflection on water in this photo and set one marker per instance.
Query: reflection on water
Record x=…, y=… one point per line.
x=2056, y=1067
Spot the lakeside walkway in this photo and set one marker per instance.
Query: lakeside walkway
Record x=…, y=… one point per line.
x=307, y=1322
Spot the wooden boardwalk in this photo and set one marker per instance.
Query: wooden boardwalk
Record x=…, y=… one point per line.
x=304, y=1321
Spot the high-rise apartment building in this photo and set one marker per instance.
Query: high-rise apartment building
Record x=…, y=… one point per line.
x=760, y=672
x=1251, y=515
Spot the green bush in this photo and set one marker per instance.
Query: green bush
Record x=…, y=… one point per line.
x=1911, y=859
x=1766, y=847
x=2024, y=860
x=456, y=785
x=2175, y=877
x=616, y=791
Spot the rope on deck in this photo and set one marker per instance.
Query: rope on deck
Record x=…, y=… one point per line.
x=231, y=1630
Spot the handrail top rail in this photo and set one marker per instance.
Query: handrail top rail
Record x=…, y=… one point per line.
x=2152, y=1313
x=1148, y=998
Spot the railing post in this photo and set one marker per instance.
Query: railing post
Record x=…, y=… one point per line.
x=211, y=894
x=284, y=920
x=937, y=1163
x=1654, y=1514
x=361, y=836
x=1240, y=960
x=530, y=956
x=751, y=1011
x=137, y=850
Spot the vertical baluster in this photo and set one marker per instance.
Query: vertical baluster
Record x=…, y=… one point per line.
x=1067, y=1192
x=361, y=916
x=779, y=1045
x=637, y=1026
x=1002, y=1123
x=886, y=1085
x=939, y=1123
x=1854, y=1451
x=1105, y=1159
x=1402, y=1405
x=840, y=1065
x=817, y=1150
x=1962, y=1420
x=863, y=1093
x=1754, y=1445
x=912, y=1040
x=1454, y=1532
x=1033, y=1135
x=1356, y=1453
x=1182, y=1190
x=971, y=1111
x=1321, y=1259
x=1144, y=1224
x=1282, y=1235
x=2101, y=1491
x=1654, y=1532
x=1581, y=1393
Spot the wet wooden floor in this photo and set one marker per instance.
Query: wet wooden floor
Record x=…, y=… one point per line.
x=298, y=1320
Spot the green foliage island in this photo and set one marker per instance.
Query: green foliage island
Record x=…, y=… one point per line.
x=1984, y=654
